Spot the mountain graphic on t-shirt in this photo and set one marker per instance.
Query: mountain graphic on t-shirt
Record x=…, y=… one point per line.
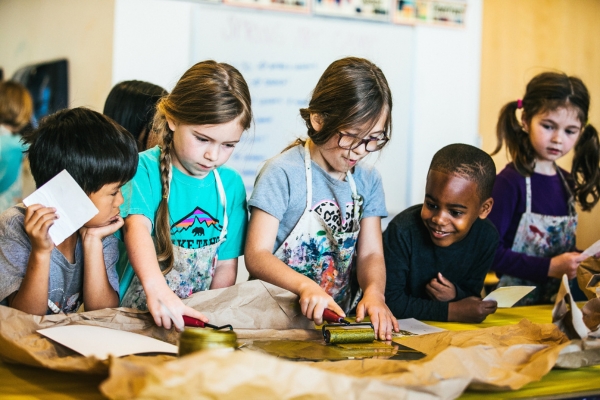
x=194, y=221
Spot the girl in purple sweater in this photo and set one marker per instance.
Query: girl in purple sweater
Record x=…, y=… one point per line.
x=534, y=199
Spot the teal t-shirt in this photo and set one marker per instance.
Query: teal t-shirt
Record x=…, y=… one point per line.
x=195, y=209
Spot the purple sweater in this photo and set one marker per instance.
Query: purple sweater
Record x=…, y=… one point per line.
x=548, y=196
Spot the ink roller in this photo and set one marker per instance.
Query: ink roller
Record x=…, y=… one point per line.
x=196, y=323
x=339, y=330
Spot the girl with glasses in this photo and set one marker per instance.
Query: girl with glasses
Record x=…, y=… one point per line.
x=316, y=212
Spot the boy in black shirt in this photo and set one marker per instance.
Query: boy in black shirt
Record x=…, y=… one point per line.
x=437, y=254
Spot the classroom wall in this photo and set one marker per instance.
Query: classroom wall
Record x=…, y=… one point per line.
x=523, y=38
x=33, y=31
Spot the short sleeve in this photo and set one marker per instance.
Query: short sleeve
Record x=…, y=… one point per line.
x=142, y=194
x=237, y=213
x=374, y=197
x=271, y=191
x=14, y=251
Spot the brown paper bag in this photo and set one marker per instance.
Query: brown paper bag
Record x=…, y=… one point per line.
x=588, y=277
x=251, y=305
x=495, y=358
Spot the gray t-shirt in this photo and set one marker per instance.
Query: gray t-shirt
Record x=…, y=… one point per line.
x=280, y=190
x=66, y=280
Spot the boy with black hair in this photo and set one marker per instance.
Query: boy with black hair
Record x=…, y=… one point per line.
x=438, y=253
x=38, y=277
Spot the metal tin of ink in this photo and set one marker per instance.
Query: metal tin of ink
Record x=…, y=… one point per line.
x=198, y=339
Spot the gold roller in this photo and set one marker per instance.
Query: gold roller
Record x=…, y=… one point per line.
x=196, y=339
x=335, y=335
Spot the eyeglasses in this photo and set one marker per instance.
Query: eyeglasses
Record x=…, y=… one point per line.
x=351, y=142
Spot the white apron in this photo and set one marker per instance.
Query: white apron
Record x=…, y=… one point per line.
x=193, y=269
x=542, y=236
x=315, y=250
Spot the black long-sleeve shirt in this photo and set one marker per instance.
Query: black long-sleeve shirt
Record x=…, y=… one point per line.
x=412, y=260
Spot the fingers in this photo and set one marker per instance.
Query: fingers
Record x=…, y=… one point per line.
x=445, y=282
x=190, y=312
x=360, y=312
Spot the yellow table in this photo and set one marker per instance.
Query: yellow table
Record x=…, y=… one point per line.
x=21, y=382
x=556, y=384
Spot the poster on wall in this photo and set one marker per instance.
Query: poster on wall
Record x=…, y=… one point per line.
x=378, y=10
x=298, y=6
x=430, y=12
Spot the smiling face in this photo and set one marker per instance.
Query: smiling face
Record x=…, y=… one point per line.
x=554, y=133
x=107, y=200
x=336, y=160
x=451, y=207
x=198, y=149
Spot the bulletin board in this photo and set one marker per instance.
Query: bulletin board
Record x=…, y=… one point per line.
x=282, y=56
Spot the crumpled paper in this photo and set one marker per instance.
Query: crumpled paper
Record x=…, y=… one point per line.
x=497, y=358
x=253, y=305
x=252, y=375
x=588, y=277
x=574, y=322
x=580, y=325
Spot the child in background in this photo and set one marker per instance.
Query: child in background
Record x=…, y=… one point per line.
x=38, y=277
x=16, y=109
x=534, y=208
x=314, y=205
x=132, y=104
x=185, y=199
x=438, y=253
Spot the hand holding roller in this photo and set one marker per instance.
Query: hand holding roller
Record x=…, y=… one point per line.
x=191, y=321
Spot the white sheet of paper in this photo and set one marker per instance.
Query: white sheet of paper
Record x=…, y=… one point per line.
x=100, y=342
x=592, y=250
x=507, y=296
x=73, y=206
x=414, y=327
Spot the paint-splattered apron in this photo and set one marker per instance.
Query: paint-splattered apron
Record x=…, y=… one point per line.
x=543, y=236
x=193, y=269
x=317, y=251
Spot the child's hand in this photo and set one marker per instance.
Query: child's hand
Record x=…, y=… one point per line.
x=175, y=307
x=471, y=309
x=314, y=300
x=373, y=304
x=565, y=263
x=38, y=220
x=101, y=232
x=441, y=289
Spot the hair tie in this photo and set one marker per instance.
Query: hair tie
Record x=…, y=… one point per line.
x=519, y=104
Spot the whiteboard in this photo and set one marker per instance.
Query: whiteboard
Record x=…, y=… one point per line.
x=282, y=56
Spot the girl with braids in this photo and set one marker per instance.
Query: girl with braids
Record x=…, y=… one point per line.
x=316, y=211
x=534, y=199
x=184, y=207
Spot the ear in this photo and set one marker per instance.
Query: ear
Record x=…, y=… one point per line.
x=171, y=123
x=486, y=208
x=316, y=121
x=524, y=123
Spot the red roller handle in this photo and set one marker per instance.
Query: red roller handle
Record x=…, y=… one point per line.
x=333, y=318
x=191, y=321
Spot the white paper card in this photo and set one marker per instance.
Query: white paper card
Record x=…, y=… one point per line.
x=73, y=206
x=414, y=327
x=507, y=296
x=593, y=250
x=100, y=342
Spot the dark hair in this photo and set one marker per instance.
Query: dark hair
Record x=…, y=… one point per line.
x=16, y=105
x=546, y=92
x=131, y=104
x=467, y=162
x=352, y=92
x=94, y=149
x=209, y=93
